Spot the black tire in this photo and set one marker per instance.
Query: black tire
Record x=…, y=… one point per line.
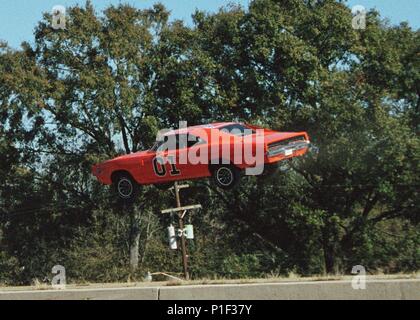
x=164, y=186
x=126, y=187
x=226, y=176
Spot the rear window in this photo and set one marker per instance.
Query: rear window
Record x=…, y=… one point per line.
x=237, y=130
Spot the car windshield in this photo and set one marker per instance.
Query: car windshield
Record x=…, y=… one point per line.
x=237, y=130
x=156, y=145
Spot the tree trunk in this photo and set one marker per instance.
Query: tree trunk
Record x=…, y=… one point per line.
x=329, y=252
x=329, y=259
x=147, y=238
x=124, y=135
x=134, y=240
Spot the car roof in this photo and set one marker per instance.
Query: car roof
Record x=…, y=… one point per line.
x=215, y=125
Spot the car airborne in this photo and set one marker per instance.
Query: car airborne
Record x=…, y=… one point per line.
x=222, y=151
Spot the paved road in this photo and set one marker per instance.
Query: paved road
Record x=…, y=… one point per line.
x=408, y=289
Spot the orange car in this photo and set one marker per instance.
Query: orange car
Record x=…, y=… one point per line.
x=220, y=150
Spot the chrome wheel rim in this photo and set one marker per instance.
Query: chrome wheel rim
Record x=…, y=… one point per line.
x=224, y=176
x=125, y=188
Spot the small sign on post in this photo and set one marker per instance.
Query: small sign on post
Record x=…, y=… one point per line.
x=189, y=231
x=172, y=238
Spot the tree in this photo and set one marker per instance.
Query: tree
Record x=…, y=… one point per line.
x=297, y=65
x=106, y=84
x=99, y=82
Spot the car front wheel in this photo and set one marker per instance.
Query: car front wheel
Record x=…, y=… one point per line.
x=226, y=176
x=127, y=189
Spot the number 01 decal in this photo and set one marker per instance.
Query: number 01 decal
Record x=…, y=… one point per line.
x=160, y=169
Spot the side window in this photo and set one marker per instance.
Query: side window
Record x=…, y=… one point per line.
x=194, y=140
x=178, y=141
x=187, y=141
x=169, y=142
x=237, y=130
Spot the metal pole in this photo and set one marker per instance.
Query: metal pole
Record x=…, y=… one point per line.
x=181, y=226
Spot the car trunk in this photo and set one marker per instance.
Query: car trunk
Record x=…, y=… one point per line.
x=285, y=143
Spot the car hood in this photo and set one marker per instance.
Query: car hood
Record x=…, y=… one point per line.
x=125, y=157
x=132, y=155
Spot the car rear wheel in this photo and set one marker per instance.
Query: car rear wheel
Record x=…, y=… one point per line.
x=126, y=188
x=226, y=176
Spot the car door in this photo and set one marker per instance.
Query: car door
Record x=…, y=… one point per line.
x=178, y=166
x=198, y=158
x=182, y=164
x=172, y=161
x=163, y=164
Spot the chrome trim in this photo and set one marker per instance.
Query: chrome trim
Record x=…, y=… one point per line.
x=294, y=146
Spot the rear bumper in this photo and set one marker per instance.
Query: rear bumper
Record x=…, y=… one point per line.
x=289, y=150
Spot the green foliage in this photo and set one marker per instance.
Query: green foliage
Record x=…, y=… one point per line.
x=108, y=82
x=246, y=265
x=9, y=269
x=95, y=258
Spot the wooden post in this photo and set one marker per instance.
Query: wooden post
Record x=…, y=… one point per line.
x=181, y=212
x=181, y=226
